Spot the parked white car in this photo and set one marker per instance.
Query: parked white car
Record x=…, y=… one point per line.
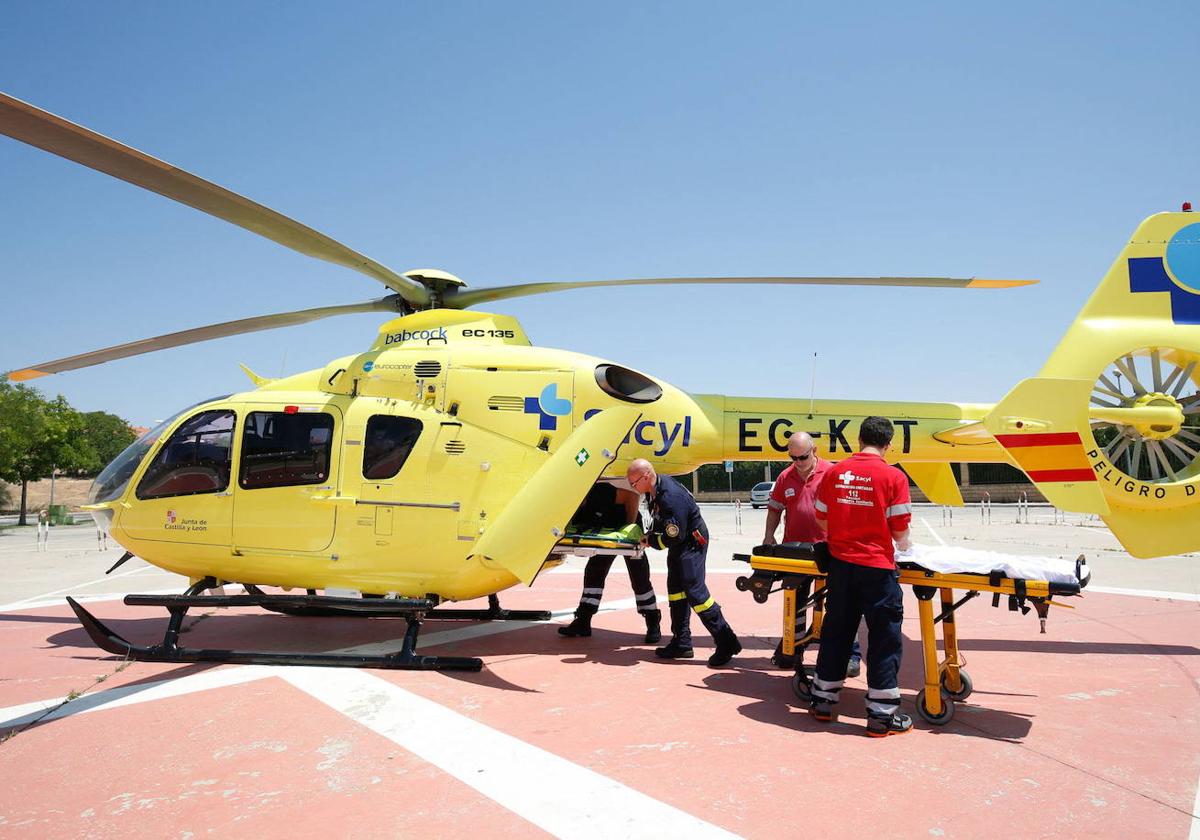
x=760, y=494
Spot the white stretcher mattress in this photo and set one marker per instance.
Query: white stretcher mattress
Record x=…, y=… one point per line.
x=950, y=559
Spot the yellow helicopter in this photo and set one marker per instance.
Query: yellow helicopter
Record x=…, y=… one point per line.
x=445, y=461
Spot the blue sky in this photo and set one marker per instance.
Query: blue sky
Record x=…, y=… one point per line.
x=517, y=142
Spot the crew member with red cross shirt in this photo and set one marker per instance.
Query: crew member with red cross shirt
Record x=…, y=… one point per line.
x=864, y=504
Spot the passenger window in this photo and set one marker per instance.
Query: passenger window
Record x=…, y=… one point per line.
x=285, y=450
x=195, y=460
x=388, y=442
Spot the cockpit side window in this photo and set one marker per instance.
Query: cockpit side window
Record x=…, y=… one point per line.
x=196, y=458
x=389, y=440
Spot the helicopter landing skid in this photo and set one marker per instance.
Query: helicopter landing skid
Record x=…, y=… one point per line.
x=354, y=608
x=412, y=610
x=494, y=612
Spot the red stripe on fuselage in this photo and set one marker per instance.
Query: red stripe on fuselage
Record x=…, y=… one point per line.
x=1062, y=475
x=1039, y=439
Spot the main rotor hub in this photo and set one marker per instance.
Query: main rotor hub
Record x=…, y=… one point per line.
x=441, y=284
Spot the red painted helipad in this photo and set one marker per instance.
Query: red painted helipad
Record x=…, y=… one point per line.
x=1093, y=729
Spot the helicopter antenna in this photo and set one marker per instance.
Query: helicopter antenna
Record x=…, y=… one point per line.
x=812, y=393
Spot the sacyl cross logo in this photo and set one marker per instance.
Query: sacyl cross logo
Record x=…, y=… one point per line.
x=548, y=406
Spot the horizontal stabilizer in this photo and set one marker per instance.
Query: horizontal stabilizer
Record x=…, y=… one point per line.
x=969, y=433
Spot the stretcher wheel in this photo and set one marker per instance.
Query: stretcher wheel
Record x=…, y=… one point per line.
x=937, y=720
x=964, y=692
x=801, y=688
x=741, y=583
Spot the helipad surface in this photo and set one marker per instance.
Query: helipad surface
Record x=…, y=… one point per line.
x=1093, y=728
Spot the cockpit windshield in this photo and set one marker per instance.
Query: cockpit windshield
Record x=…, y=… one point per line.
x=114, y=478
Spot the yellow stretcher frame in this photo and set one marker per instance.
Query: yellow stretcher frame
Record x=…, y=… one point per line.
x=587, y=545
x=946, y=681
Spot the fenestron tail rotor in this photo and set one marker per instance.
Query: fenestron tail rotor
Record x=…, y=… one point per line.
x=1145, y=414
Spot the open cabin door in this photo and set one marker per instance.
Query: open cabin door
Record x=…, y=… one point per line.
x=532, y=407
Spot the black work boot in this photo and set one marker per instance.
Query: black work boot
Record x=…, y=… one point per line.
x=822, y=710
x=581, y=626
x=674, y=650
x=653, y=625
x=728, y=647
x=894, y=724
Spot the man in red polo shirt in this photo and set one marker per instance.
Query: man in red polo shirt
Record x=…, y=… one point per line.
x=792, y=499
x=794, y=493
x=864, y=504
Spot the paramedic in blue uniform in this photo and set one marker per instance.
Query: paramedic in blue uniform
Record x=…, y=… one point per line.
x=864, y=504
x=679, y=528
x=611, y=508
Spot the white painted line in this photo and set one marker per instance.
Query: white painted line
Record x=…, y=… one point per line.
x=128, y=695
x=1194, y=834
x=1144, y=593
x=555, y=794
x=17, y=715
x=61, y=601
x=925, y=522
x=73, y=587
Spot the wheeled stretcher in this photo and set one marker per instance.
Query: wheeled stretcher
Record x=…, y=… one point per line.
x=931, y=572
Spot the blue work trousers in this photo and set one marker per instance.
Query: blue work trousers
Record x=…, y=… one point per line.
x=687, y=592
x=857, y=593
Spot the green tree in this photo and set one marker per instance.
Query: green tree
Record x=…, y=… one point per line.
x=745, y=474
x=38, y=435
x=108, y=436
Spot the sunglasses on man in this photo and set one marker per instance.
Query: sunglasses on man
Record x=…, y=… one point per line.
x=803, y=457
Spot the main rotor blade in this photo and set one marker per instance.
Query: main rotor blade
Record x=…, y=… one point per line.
x=463, y=299
x=39, y=128
x=391, y=303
